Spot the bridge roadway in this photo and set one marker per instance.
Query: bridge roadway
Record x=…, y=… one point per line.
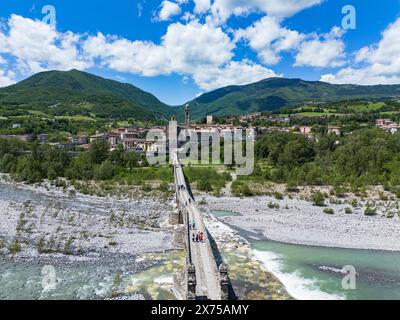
x=207, y=274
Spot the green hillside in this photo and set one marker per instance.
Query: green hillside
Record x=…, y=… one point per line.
x=76, y=93
x=275, y=93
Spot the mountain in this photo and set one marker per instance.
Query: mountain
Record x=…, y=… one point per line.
x=274, y=93
x=80, y=93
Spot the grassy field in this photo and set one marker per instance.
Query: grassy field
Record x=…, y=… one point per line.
x=390, y=113
x=76, y=118
x=310, y=114
x=370, y=107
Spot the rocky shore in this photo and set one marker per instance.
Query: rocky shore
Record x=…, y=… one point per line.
x=297, y=221
x=87, y=239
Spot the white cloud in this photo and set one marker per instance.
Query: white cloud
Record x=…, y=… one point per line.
x=323, y=51
x=268, y=39
x=122, y=55
x=7, y=78
x=195, y=44
x=183, y=48
x=37, y=46
x=168, y=10
x=223, y=9
x=201, y=51
x=233, y=73
x=376, y=64
x=202, y=6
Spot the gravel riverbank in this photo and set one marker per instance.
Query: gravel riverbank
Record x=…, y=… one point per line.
x=95, y=244
x=300, y=222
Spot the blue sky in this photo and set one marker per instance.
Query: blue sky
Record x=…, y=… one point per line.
x=177, y=49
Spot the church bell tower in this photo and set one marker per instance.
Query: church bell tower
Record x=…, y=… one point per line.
x=187, y=116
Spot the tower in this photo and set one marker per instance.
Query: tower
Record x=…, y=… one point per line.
x=187, y=116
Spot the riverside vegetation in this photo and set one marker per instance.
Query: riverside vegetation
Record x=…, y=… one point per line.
x=368, y=157
x=98, y=170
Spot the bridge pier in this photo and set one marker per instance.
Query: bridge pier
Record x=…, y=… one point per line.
x=224, y=281
x=176, y=217
x=191, y=282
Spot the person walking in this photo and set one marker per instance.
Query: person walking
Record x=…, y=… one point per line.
x=201, y=236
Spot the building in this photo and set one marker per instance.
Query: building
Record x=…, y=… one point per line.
x=22, y=137
x=16, y=126
x=335, y=130
x=388, y=125
x=306, y=130
x=98, y=136
x=80, y=139
x=392, y=128
x=249, y=117
x=187, y=116
x=43, y=137
x=210, y=120
x=383, y=122
x=138, y=145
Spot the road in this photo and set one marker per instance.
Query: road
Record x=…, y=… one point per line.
x=207, y=275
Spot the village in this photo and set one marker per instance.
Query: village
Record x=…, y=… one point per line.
x=134, y=139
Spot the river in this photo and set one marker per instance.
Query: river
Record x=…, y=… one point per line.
x=316, y=272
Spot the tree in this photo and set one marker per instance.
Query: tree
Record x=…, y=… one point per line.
x=117, y=156
x=105, y=171
x=131, y=160
x=99, y=151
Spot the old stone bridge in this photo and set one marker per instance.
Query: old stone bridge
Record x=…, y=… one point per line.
x=203, y=277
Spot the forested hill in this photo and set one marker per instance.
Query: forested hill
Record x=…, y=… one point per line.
x=274, y=93
x=80, y=93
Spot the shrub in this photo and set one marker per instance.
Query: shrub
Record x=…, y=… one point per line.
x=68, y=246
x=348, y=211
x=104, y=171
x=163, y=187
x=383, y=196
x=15, y=247
x=240, y=189
x=146, y=187
x=318, y=199
x=202, y=202
x=204, y=185
x=369, y=211
x=278, y=196
x=272, y=205
x=354, y=203
x=390, y=214
x=41, y=245
x=329, y=211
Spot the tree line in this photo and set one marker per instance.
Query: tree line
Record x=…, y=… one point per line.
x=34, y=162
x=365, y=157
